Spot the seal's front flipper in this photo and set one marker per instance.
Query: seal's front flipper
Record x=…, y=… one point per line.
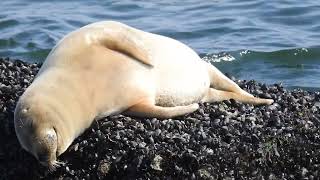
x=120, y=37
x=148, y=110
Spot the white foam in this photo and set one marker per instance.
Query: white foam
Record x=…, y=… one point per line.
x=300, y=51
x=244, y=52
x=218, y=58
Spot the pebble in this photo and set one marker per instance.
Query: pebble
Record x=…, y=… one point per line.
x=103, y=168
x=156, y=163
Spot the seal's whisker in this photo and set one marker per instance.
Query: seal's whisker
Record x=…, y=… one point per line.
x=60, y=163
x=55, y=164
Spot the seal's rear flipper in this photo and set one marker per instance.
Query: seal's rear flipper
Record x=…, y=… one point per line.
x=214, y=95
x=120, y=37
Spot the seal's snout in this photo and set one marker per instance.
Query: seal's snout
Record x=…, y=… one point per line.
x=37, y=132
x=50, y=137
x=46, y=150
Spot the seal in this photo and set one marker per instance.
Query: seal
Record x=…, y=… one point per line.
x=108, y=68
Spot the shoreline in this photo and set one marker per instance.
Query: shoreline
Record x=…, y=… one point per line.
x=220, y=140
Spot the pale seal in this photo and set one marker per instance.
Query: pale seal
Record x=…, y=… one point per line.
x=107, y=68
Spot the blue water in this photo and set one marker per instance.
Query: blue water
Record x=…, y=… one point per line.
x=270, y=41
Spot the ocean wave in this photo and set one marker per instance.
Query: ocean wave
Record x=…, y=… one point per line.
x=295, y=68
x=294, y=55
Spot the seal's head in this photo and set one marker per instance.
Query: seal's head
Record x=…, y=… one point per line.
x=37, y=134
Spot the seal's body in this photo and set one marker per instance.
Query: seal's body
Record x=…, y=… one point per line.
x=106, y=68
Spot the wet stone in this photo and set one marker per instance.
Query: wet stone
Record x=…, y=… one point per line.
x=156, y=163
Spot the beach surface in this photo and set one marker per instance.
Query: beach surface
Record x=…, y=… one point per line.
x=226, y=140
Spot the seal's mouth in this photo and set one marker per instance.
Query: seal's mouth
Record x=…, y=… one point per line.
x=44, y=163
x=43, y=159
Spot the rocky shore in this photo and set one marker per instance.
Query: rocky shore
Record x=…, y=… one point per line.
x=226, y=140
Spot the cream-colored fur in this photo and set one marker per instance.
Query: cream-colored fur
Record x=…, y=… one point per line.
x=106, y=68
